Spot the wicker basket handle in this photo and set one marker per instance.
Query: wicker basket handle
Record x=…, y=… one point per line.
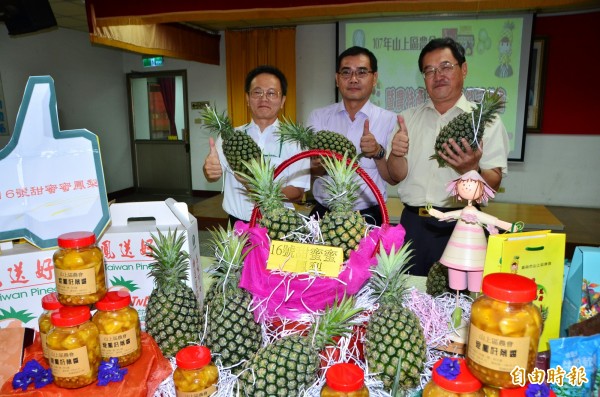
x=317, y=152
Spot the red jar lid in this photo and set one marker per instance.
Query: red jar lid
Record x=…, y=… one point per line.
x=50, y=301
x=509, y=287
x=464, y=382
x=114, y=300
x=345, y=377
x=76, y=239
x=70, y=316
x=193, y=357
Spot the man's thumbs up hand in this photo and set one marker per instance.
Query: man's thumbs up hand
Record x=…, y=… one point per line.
x=212, y=165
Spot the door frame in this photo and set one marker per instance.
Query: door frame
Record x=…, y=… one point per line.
x=185, y=141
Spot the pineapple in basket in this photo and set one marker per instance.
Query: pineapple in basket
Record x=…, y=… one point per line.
x=173, y=312
x=394, y=342
x=309, y=139
x=283, y=223
x=290, y=365
x=464, y=125
x=231, y=330
x=237, y=145
x=342, y=226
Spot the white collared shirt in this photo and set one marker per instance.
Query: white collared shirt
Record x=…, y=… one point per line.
x=382, y=123
x=426, y=182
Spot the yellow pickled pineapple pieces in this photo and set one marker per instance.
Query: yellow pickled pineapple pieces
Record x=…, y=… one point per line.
x=195, y=371
x=119, y=327
x=505, y=329
x=73, y=348
x=79, y=269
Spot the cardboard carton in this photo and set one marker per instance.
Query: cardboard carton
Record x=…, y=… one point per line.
x=127, y=256
x=27, y=272
x=26, y=275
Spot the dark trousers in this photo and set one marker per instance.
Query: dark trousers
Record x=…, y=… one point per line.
x=233, y=220
x=429, y=238
x=372, y=214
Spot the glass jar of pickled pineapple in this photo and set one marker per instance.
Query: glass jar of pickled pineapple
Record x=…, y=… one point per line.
x=73, y=347
x=505, y=329
x=451, y=378
x=79, y=269
x=344, y=380
x=119, y=327
x=50, y=304
x=195, y=375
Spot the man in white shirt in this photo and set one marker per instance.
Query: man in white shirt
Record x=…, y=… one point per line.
x=266, y=88
x=369, y=127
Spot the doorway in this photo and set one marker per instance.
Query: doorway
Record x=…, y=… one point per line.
x=158, y=118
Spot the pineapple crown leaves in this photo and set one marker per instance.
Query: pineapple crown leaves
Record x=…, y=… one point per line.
x=228, y=246
x=218, y=123
x=170, y=268
x=295, y=132
x=263, y=189
x=342, y=184
x=335, y=321
x=390, y=275
x=22, y=315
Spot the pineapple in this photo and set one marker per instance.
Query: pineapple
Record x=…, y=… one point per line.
x=282, y=223
x=173, y=312
x=341, y=226
x=290, y=365
x=437, y=280
x=462, y=125
x=394, y=343
x=309, y=139
x=231, y=331
x=237, y=145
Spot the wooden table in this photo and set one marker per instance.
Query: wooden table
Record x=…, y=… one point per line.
x=534, y=216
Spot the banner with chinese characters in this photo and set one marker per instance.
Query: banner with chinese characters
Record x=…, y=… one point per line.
x=52, y=181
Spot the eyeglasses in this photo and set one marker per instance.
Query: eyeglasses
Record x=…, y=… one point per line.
x=444, y=69
x=360, y=73
x=259, y=93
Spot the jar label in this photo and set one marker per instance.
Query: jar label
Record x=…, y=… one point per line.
x=68, y=363
x=202, y=393
x=118, y=345
x=75, y=282
x=498, y=353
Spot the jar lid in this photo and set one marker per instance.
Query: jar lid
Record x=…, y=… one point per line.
x=464, y=382
x=345, y=377
x=193, y=357
x=114, y=300
x=509, y=287
x=76, y=239
x=50, y=301
x=70, y=316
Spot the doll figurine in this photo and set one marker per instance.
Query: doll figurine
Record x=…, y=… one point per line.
x=464, y=254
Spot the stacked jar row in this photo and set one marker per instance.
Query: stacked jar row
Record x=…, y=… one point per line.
x=74, y=342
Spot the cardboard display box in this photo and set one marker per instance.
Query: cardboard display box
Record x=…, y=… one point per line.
x=126, y=254
x=27, y=273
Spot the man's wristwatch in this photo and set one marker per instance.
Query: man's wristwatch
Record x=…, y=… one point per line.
x=380, y=154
